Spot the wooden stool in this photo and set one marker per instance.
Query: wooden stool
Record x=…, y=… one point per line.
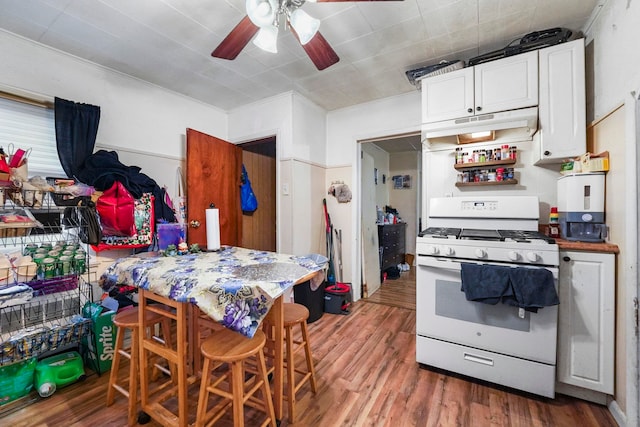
x=297, y=314
x=129, y=320
x=158, y=399
x=226, y=346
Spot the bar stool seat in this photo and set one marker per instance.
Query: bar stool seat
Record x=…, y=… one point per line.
x=297, y=315
x=128, y=320
x=245, y=375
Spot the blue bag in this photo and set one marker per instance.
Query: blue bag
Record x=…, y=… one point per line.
x=248, y=200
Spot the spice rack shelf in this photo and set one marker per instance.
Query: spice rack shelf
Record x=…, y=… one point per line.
x=505, y=162
x=475, y=184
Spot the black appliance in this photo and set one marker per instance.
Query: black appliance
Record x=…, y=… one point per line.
x=531, y=41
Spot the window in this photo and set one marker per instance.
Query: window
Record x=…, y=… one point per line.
x=31, y=127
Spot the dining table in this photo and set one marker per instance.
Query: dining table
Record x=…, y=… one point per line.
x=235, y=287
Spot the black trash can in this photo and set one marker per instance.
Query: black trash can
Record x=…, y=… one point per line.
x=312, y=299
x=337, y=298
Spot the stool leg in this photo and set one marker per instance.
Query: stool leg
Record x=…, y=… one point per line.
x=291, y=371
x=307, y=352
x=203, y=397
x=133, y=377
x=115, y=366
x=237, y=381
x=266, y=391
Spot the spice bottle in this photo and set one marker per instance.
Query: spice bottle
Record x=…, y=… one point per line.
x=504, y=152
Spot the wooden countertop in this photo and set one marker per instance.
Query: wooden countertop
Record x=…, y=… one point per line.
x=586, y=246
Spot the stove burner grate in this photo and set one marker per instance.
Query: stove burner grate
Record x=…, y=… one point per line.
x=525, y=236
x=440, y=232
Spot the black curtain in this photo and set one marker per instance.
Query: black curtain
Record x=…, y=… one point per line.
x=76, y=130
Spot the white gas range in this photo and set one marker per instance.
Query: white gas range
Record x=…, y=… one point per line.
x=498, y=343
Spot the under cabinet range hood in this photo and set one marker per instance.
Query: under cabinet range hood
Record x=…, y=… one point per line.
x=525, y=118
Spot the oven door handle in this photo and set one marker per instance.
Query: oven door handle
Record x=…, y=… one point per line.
x=441, y=263
x=478, y=359
x=456, y=265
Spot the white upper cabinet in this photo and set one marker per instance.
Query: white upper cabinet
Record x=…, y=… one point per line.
x=562, y=109
x=448, y=96
x=505, y=84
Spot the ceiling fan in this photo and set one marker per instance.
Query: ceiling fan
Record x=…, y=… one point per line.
x=264, y=17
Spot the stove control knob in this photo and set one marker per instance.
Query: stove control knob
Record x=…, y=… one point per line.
x=532, y=256
x=448, y=251
x=481, y=253
x=433, y=250
x=514, y=256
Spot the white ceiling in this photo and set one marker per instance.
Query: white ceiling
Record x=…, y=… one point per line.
x=169, y=42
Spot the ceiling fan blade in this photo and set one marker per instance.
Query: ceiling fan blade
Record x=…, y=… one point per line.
x=335, y=1
x=319, y=51
x=236, y=40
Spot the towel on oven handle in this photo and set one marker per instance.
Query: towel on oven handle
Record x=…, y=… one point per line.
x=528, y=288
x=534, y=288
x=485, y=283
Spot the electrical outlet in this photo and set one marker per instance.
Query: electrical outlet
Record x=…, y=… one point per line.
x=285, y=189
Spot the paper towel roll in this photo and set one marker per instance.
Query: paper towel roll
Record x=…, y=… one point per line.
x=213, y=229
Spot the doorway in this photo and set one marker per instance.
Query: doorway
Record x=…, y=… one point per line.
x=259, y=228
x=393, y=167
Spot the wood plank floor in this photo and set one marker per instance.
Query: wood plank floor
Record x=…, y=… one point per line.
x=367, y=376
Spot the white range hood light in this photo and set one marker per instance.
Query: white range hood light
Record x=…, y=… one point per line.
x=514, y=119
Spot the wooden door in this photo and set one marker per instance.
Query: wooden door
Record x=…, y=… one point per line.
x=214, y=169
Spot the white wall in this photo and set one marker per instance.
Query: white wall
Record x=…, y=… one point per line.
x=615, y=68
x=405, y=200
x=134, y=114
x=300, y=129
x=390, y=116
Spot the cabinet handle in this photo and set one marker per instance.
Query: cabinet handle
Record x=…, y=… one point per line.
x=566, y=259
x=469, y=110
x=547, y=153
x=479, y=108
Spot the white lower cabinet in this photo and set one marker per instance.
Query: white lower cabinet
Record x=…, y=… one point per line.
x=586, y=327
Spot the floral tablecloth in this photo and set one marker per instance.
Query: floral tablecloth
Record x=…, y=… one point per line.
x=234, y=286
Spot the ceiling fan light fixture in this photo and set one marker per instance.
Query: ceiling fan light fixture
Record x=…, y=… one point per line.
x=305, y=26
x=262, y=12
x=267, y=39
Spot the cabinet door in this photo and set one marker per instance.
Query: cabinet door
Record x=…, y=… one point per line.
x=447, y=96
x=507, y=84
x=562, y=110
x=586, y=320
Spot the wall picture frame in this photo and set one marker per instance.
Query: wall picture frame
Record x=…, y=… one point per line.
x=401, y=182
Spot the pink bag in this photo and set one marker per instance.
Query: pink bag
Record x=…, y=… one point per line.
x=116, y=210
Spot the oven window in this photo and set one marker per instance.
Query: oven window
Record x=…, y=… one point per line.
x=451, y=303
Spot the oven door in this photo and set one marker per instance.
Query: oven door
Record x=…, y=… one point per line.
x=443, y=313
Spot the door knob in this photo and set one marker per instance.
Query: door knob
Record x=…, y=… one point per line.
x=194, y=223
x=479, y=108
x=469, y=110
x=547, y=153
